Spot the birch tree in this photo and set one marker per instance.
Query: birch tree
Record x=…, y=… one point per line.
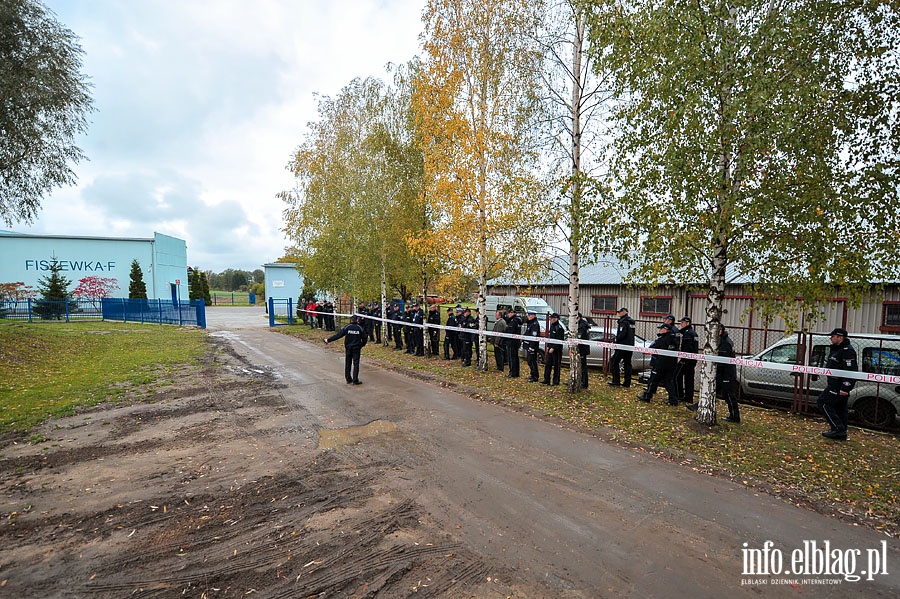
x=357, y=184
x=575, y=106
x=758, y=137
x=475, y=104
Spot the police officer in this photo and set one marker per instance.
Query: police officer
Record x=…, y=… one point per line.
x=434, y=334
x=726, y=377
x=354, y=340
x=662, y=367
x=533, y=332
x=833, y=399
x=553, y=353
x=513, y=327
x=450, y=337
x=407, y=318
x=688, y=342
x=418, y=331
x=499, y=342
x=584, y=334
x=397, y=325
x=375, y=311
x=466, y=338
x=624, y=336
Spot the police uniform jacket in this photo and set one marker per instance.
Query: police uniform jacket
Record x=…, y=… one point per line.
x=625, y=331
x=665, y=341
x=688, y=341
x=726, y=372
x=584, y=333
x=532, y=329
x=556, y=331
x=353, y=334
x=841, y=357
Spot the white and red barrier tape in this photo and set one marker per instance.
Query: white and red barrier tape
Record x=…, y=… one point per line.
x=862, y=376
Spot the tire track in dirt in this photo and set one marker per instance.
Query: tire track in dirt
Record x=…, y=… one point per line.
x=213, y=490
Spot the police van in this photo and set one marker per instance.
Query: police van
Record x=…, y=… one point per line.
x=521, y=305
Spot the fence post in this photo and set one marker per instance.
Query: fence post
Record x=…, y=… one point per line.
x=201, y=313
x=29, y=310
x=290, y=311
x=271, y=312
x=66, y=299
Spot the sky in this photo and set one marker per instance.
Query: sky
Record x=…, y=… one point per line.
x=199, y=107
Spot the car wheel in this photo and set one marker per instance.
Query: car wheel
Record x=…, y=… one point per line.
x=875, y=412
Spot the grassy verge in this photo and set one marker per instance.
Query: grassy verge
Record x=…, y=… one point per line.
x=49, y=369
x=779, y=452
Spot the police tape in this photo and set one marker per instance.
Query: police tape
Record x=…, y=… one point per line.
x=651, y=351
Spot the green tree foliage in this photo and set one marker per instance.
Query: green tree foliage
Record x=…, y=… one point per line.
x=575, y=104
x=204, y=288
x=476, y=104
x=195, y=284
x=54, y=299
x=358, y=189
x=230, y=279
x=758, y=137
x=136, y=287
x=43, y=106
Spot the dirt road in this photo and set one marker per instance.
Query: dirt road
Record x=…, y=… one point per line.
x=265, y=474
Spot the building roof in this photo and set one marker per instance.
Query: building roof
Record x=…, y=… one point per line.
x=608, y=270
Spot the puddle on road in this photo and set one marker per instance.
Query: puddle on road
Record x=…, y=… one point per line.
x=337, y=438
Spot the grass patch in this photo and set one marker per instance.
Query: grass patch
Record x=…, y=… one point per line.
x=779, y=452
x=48, y=369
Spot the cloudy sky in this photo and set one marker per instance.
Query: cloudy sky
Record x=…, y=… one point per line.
x=200, y=104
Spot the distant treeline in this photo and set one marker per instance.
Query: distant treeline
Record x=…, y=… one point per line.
x=236, y=280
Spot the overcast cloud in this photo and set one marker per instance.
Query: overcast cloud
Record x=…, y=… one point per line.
x=200, y=104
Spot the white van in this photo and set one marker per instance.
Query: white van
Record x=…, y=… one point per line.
x=874, y=404
x=521, y=305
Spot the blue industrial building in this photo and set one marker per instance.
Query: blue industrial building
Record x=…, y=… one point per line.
x=163, y=261
x=283, y=280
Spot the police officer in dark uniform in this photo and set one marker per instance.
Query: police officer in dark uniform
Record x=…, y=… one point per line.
x=726, y=377
x=688, y=342
x=375, y=312
x=662, y=367
x=553, y=353
x=513, y=327
x=354, y=340
x=434, y=334
x=466, y=338
x=833, y=399
x=418, y=332
x=408, y=331
x=533, y=331
x=450, y=337
x=624, y=336
x=584, y=334
x=397, y=325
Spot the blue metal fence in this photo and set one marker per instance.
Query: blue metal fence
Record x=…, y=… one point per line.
x=123, y=309
x=280, y=309
x=50, y=310
x=159, y=311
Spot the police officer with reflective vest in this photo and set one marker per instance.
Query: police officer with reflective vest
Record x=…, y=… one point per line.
x=354, y=340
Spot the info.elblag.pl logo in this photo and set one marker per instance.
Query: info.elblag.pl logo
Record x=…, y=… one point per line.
x=816, y=559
